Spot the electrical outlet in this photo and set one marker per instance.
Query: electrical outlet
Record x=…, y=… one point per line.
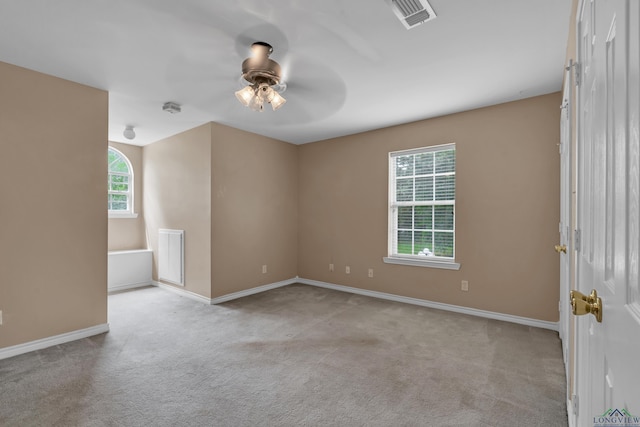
x=464, y=286
x=347, y=269
x=264, y=268
x=330, y=267
x=371, y=272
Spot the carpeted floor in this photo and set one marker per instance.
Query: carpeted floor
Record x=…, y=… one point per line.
x=293, y=356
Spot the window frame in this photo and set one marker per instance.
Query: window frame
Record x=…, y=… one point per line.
x=408, y=259
x=130, y=211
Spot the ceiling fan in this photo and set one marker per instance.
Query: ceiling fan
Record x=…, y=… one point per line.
x=262, y=77
x=204, y=76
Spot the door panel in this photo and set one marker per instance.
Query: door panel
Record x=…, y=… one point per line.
x=609, y=207
x=633, y=155
x=586, y=202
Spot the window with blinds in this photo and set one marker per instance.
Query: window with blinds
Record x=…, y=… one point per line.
x=422, y=198
x=120, y=180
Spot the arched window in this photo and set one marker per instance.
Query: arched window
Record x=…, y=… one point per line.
x=120, y=184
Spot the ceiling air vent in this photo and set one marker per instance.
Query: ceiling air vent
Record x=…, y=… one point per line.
x=412, y=12
x=171, y=107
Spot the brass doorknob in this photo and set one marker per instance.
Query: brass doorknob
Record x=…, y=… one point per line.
x=584, y=304
x=561, y=248
x=591, y=298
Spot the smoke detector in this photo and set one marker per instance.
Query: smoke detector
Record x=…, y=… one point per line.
x=171, y=107
x=129, y=133
x=412, y=12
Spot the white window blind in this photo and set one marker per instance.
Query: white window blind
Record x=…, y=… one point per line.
x=422, y=193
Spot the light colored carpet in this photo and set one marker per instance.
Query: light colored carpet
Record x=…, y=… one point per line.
x=293, y=356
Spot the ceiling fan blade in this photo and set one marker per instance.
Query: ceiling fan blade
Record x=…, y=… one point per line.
x=314, y=86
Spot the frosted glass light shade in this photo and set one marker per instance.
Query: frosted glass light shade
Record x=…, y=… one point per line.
x=256, y=104
x=255, y=96
x=277, y=101
x=244, y=95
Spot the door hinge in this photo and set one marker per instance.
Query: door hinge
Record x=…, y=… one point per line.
x=576, y=240
x=576, y=71
x=574, y=403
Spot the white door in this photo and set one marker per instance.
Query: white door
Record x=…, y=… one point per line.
x=608, y=353
x=565, y=247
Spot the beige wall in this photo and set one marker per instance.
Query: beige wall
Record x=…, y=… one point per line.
x=298, y=208
x=507, y=209
x=254, y=218
x=53, y=221
x=129, y=233
x=235, y=195
x=177, y=191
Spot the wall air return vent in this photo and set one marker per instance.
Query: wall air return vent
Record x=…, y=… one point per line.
x=412, y=12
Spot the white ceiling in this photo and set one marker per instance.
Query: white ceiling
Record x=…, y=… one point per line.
x=350, y=65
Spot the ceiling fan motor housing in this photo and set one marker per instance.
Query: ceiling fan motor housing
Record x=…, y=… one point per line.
x=259, y=68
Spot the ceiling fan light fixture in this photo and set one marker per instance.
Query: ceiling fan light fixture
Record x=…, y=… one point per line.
x=245, y=94
x=264, y=92
x=262, y=74
x=256, y=104
x=277, y=101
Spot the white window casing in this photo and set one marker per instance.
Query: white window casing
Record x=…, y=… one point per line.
x=422, y=207
x=120, y=186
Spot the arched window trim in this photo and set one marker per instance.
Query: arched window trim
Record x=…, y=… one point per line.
x=129, y=212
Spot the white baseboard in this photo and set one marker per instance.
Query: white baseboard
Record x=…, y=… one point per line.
x=437, y=305
x=256, y=290
x=382, y=295
x=224, y=298
x=16, y=350
x=119, y=288
x=571, y=418
x=180, y=291
x=100, y=329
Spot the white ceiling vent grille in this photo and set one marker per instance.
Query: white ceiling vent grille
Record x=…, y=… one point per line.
x=412, y=12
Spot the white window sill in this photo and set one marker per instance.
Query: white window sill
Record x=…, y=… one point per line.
x=447, y=265
x=113, y=215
